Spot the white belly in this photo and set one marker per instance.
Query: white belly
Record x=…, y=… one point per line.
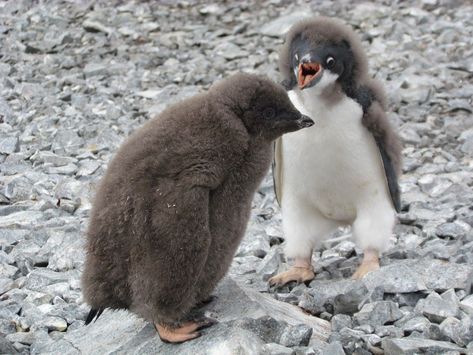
x=334, y=166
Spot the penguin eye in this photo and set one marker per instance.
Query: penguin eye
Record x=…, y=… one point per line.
x=330, y=62
x=269, y=113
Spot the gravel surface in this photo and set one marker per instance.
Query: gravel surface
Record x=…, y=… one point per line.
x=76, y=77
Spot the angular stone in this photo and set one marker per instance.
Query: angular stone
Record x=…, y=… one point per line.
x=390, y=331
x=9, y=145
x=407, y=276
x=340, y=321
x=21, y=220
x=436, y=308
x=412, y=346
x=348, y=302
x=378, y=313
x=451, y=230
x=298, y=335
x=46, y=157
x=334, y=348
x=55, y=323
x=467, y=305
x=21, y=337
x=270, y=264
x=230, y=51
x=39, y=278
x=6, y=284
x=88, y=167
x=418, y=324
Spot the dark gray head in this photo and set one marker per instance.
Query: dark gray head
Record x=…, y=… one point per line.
x=321, y=51
x=261, y=104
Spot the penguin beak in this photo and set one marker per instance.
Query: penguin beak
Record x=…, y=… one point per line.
x=305, y=121
x=307, y=72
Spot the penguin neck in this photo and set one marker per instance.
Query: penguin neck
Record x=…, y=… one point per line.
x=315, y=101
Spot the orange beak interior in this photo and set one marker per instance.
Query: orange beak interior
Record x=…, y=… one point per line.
x=307, y=73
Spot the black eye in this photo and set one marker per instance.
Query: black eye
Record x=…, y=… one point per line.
x=330, y=62
x=269, y=113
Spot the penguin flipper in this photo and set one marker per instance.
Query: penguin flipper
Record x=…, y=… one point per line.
x=391, y=175
x=94, y=313
x=277, y=170
x=376, y=122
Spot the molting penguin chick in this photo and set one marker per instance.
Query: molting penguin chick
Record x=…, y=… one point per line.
x=345, y=171
x=175, y=200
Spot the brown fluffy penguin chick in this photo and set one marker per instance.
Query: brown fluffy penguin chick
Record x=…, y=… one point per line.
x=175, y=200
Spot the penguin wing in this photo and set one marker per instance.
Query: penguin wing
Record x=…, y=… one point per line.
x=277, y=169
x=174, y=255
x=375, y=114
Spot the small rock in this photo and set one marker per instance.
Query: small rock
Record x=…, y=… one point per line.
x=348, y=302
x=95, y=26
x=55, y=323
x=467, y=305
x=378, y=313
x=340, y=321
x=26, y=338
x=418, y=324
x=298, y=335
x=436, y=308
x=6, y=284
x=230, y=51
x=9, y=145
x=270, y=264
x=334, y=348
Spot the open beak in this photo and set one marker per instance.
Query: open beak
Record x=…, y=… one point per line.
x=307, y=72
x=305, y=121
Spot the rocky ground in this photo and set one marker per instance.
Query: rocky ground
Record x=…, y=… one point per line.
x=76, y=77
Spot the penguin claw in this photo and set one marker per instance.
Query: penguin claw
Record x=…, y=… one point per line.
x=176, y=335
x=298, y=274
x=205, y=322
x=206, y=301
x=365, y=268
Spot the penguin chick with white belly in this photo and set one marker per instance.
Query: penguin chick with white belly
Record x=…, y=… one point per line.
x=344, y=170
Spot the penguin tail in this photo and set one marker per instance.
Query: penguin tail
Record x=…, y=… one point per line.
x=94, y=313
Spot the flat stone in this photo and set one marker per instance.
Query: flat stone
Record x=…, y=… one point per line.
x=334, y=348
x=46, y=157
x=236, y=308
x=407, y=276
x=340, y=321
x=276, y=349
x=230, y=51
x=95, y=26
x=21, y=337
x=412, y=346
x=21, y=220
